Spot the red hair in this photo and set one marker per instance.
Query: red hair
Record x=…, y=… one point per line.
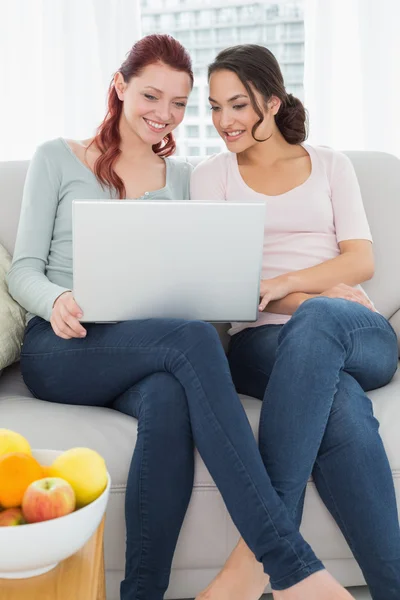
x=147, y=51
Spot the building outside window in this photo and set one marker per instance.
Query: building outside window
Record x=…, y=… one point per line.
x=205, y=29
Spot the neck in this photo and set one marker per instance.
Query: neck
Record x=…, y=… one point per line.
x=132, y=146
x=265, y=153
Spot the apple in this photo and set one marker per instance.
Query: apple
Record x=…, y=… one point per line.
x=11, y=516
x=48, y=498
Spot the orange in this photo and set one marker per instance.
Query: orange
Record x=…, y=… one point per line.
x=17, y=471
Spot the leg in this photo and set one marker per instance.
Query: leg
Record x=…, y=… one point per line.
x=324, y=337
x=160, y=483
x=354, y=479
x=351, y=464
x=112, y=358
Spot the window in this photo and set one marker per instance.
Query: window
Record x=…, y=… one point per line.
x=204, y=17
x=249, y=35
x=293, y=52
x=203, y=36
x=184, y=19
x=226, y=15
x=211, y=131
x=293, y=73
x=293, y=31
x=205, y=27
x=192, y=110
x=167, y=22
x=194, y=151
x=226, y=35
x=193, y=131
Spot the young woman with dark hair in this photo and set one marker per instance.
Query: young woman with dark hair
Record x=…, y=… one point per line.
x=318, y=345
x=171, y=374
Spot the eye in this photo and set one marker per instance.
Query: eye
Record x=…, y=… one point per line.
x=215, y=108
x=150, y=97
x=239, y=106
x=180, y=104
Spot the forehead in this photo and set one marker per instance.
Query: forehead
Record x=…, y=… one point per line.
x=164, y=78
x=226, y=83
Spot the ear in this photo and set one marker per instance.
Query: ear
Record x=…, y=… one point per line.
x=120, y=85
x=274, y=105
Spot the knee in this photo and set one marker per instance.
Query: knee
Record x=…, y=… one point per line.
x=164, y=402
x=319, y=314
x=201, y=333
x=322, y=308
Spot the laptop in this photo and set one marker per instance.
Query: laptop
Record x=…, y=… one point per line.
x=167, y=259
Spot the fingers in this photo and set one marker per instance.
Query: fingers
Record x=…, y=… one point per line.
x=64, y=318
x=62, y=329
x=264, y=301
x=72, y=307
x=72, y=322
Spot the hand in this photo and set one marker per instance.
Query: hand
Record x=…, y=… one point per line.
x=273, y=289
x=64, y=317
x=346, y=292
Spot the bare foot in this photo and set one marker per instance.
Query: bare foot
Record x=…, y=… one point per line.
x=319, y=586
x=242, y=578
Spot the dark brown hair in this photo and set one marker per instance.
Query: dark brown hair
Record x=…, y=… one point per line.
x=147, y=51
x=257, y=67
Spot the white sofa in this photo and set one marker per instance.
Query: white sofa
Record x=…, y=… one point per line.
x=208, y=534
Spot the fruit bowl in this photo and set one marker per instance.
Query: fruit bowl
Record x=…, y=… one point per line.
x=30, y=550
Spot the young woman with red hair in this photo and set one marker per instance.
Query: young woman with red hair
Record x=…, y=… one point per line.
x=170, y=374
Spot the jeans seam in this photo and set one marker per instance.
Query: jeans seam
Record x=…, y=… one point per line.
x=338, y=515
x=140, y=498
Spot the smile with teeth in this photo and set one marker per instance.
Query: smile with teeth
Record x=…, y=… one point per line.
x=234, y=134
x=155, y=125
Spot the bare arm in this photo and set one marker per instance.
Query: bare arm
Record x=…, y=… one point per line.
x=354, y=265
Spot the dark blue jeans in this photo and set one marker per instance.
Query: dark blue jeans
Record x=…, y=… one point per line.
x=312, y=374
x=173, y=376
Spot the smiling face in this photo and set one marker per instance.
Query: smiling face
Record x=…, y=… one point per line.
x=154, y=102
x=233, y=114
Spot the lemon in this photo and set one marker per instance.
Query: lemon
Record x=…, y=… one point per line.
x=85, y=470
x=10, y=441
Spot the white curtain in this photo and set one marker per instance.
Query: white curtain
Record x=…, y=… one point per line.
x=352, y=73
x=57, y=58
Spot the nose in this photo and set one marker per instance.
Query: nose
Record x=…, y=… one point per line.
x=164, y=112
x=226, y=119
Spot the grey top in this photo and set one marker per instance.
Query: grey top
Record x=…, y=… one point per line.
x=42, y=263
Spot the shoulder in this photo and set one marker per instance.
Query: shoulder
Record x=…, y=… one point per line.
x=214, y=164
x=332, y=160
x=53, y=153
x=179, y=166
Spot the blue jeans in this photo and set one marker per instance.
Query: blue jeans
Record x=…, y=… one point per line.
x=312, y=374
x=172, y=375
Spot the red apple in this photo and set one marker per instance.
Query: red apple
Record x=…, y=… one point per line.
x=48, y=498
x=11, y=516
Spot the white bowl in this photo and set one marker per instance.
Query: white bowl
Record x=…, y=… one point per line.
x=29, y=550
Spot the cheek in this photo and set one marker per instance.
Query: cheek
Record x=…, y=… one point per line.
x=178, y=116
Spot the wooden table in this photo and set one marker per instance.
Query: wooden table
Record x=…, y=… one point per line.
x=80, y=577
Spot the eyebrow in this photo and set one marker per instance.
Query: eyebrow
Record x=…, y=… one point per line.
x=230, y=99
x=161, y=92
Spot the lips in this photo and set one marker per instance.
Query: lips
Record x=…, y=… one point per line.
x=232, y=136
x=154, y=125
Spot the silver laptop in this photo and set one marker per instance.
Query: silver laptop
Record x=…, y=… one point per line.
x=167, y=259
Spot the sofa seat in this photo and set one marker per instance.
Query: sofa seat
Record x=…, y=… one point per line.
x=208, y=534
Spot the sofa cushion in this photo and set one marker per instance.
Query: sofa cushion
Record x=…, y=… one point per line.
x=60, y=426
x=12, y=317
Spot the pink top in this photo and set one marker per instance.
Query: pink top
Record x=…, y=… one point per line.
x=302, y=226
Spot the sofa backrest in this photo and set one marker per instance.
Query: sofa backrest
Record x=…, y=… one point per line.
x=379, y=177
